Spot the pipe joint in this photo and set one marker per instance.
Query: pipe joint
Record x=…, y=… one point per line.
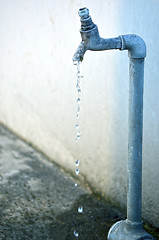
x=134, y=44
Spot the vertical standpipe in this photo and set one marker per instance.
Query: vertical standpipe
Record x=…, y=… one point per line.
x=134, y=185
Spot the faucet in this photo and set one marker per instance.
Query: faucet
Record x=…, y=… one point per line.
x=92, y=41
x=132, y=227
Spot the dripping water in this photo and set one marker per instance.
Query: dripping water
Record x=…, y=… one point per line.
x=80, y=209
x=76, y=234
x=78, y=100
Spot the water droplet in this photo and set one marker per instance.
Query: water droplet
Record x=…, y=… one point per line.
x=78, y=101
x=77, y=138
x=78, y=84
x=77, y=171
x=76, y=184
x=76, y=234
x=78, y=71
x=79, y=91
x=79, y=133
x=80, y=209
x=78, y=109
x=75, y=62
x=77, y=126
x=77, y=163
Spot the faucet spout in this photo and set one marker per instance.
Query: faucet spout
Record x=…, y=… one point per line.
x=91, y=39
x=79, y=54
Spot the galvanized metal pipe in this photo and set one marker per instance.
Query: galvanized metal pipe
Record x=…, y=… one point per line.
x=135, y=126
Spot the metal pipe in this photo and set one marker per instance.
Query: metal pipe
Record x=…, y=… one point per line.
x=131, y=228
x=136, y=52
x=135, y=123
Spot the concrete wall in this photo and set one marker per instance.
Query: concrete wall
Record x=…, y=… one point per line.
x=37, y=89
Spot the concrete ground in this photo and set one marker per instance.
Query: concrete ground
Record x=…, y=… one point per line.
x=39, y=201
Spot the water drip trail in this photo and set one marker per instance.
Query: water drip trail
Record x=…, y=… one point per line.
x=78, y=100
x=80, y=209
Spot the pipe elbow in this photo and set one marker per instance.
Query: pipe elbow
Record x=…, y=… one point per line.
x=134, y=44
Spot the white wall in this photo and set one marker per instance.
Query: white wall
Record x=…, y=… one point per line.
x=37, y=89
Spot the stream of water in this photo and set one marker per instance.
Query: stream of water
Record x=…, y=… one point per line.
x=78, y=131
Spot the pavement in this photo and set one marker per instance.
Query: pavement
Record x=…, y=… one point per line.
x=39, y=201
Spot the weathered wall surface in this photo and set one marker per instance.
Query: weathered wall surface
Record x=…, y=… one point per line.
x=38, y=94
